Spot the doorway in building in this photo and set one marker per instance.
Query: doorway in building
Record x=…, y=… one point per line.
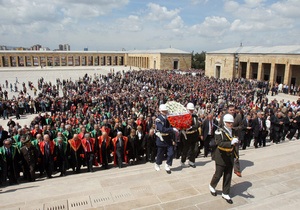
x=293, y=81
x=243, y=69
x=175, y=65
x=279, y=79
x=218, y=71
x=266, y=77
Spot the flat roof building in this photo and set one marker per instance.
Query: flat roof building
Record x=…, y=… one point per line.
x=278, y=64
x=169, y=58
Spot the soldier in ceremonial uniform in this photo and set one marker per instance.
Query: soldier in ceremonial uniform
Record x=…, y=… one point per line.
x=29, y=156
x=192, y=137
x=224, y=158
x=165, y=139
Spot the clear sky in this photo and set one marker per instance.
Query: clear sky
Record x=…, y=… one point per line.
x=190, y=25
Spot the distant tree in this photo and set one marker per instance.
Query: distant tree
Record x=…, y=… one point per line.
x=198, y=60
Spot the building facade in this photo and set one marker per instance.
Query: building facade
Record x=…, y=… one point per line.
x=152, y=59
x=279, y=64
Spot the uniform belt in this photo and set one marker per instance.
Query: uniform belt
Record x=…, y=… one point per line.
x=164, y=134
x=225, y=149
x=190, y=132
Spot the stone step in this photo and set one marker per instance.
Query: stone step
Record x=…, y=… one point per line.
x=270, y=180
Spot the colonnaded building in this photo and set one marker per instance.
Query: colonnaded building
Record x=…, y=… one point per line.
x=169, y=58
x=278, y=64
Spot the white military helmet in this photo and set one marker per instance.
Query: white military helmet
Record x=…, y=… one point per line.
x=163, y=107
x=228, y=118
x=190, y=106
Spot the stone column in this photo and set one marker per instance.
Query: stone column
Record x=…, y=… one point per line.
x=287, y=74
x=248, y=71
x=273, y=73
x=94, y=60
x=141, y=62
x=67, y=60
x=39, y=60
x=147, y=65
x=9, y=61
x=60, y=60
x=31, y=60
x=24, y=61
x=17, y=61
x=259, y=71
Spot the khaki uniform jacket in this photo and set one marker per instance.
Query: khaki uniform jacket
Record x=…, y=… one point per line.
x=223, y=158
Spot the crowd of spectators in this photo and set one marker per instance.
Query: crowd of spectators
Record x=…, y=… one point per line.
x=78, y=115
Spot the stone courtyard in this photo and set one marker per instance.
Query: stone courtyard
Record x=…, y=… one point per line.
x=270, y=177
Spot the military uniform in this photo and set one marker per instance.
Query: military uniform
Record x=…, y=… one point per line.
x=165, y=141
x=224, y=159
x=189, y=144
x=29, y=160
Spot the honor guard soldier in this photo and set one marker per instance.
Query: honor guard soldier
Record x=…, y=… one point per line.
x=224, y=158
x=165, y=139
x=190, y=139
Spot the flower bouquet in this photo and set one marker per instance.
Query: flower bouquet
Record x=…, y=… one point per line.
x=179, y=117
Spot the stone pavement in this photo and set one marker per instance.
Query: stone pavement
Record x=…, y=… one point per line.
x=270, y=181
x=270, y=177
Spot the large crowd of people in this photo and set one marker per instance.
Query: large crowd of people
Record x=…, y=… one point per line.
x=111, y=121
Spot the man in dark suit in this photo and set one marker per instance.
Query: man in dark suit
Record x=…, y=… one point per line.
x=258, y=126
x=61, y=160
x=277, y=126
x=3, y=135
x=247, y=132
x=208, y=130
x=150, y=139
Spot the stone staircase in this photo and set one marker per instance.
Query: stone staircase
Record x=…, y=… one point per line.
x=270, y=181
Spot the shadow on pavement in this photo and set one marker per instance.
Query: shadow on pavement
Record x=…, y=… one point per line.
x=240, y=189
x=203, y=163
x=245, y=163
x=13, y=190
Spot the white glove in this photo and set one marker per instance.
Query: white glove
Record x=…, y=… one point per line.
x=234, y=141
x=175, y=129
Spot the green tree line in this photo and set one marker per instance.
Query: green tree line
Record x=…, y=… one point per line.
x=198, y=60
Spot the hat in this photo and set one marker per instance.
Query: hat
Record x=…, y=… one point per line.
x=26, y=140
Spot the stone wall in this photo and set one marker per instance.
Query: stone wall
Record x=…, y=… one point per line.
x=275, y=68
x=184, y=61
